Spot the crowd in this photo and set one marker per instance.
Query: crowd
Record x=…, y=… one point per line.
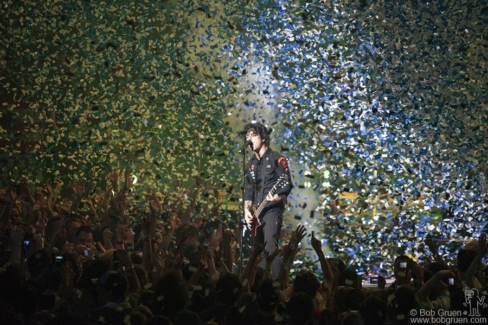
x=104, y=259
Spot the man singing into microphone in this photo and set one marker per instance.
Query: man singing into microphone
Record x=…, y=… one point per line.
x=263, y=171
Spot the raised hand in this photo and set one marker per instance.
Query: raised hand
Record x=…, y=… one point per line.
x=49, y=187
x=146, y=226
x=227, y=237
x=216, y=237
x=66, y=205
x=173, y=221
x=107, y=235
x=52, y=192
x=25, y=190
x=297, y=236
x=114, y=180
x=316, y=244
x=155, y=205
x=42, y=223
x=89, y=202
x=13, y=194
x=57, y=185
x=43, y=204
x=16, y=235
x=79, y=189
x=270, y=257
x=127, y=181
x=99, y=200
x=129, y=235
x=118, y=203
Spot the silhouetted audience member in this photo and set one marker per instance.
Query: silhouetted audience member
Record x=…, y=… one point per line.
x=300, y=309
x=171, y=300
x=373, y=311
x=228, y=290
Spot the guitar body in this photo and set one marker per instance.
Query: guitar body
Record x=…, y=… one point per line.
x=255, y=223
x=256, y=211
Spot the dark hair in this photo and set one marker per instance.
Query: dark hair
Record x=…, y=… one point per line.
x=209, y=227
x=373, y=310
x=353, y=299
x=51, y=227
x=116, y=282
x=74, y=259
x=37, y=262
x=306, y=282
x=405, y=299
x=403, y=258
x=350, y=278
x=259, y=129
x=351, y=318
x=159, y=320
x=73, y=217
x=300, y=308
x=137, y=318
x=432, y=269
x=340, y=263
x=171, y=288
x=228, y=289
x=141, y=274
x=95, y=269
x=136, y=257
x=86, y=229
x=243, y=312
x=268, y=296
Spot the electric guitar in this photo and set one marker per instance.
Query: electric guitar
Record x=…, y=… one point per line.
x=256, y=210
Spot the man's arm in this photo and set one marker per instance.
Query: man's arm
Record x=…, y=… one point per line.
x=426, y=290
x=132, y=280
x=247, y=277
x=247, y=212
x=328, y=281
x=283, y=170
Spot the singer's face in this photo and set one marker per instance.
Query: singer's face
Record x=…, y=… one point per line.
x=256, y=140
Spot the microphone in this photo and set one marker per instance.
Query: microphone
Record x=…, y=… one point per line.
x=249, y=144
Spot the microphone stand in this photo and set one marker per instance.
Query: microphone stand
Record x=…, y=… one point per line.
x=243, y=205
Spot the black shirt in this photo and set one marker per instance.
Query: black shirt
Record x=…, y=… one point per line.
x=263, y=174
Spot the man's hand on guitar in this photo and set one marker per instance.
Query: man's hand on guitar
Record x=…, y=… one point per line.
x=273, y=198
x=249, y=218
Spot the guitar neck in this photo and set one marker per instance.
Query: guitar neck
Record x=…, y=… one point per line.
x=264, y=202
x=260, y=208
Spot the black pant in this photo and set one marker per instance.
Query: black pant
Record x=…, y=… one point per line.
x=269, y=233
